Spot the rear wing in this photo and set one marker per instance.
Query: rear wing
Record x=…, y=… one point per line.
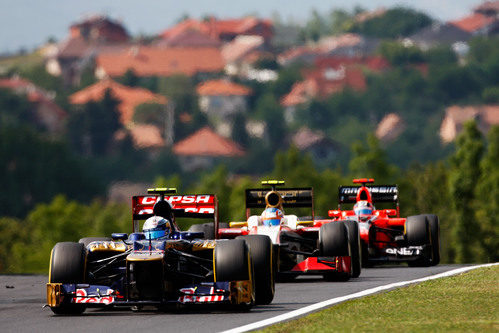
x=193, y=206
x=291, y=197
x=379, y=193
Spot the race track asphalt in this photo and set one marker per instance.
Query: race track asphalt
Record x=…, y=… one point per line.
x=22, y=298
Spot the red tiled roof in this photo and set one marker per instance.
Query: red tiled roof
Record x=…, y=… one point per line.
x=16, y=83
x=190, y=38
x=157, y=61
x=205, y=142
x=240, y=47
x=128, y=97
x=217, y=28
x=473, y=22
x=221, y=88
x=321, y=83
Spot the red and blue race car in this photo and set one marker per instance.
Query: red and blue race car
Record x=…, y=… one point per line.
x=385, y=236
x=160, y=265
x=301, y=246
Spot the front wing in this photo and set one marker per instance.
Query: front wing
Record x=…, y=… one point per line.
x=229, y=292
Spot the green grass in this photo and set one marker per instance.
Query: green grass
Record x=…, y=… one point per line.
x=21, y=61
x=466, y=302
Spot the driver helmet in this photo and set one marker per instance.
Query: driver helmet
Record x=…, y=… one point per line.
x=363, y=209
x=272, y=216
x=156, y=227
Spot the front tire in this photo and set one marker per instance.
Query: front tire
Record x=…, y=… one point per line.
x=67, y=265
x=355, y=249
x=417, y=233
x=333, y=242
x=260, y=247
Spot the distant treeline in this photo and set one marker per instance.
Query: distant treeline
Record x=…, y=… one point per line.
x=463, y=191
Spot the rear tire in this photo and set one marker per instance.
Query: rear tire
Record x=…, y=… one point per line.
x=333, y=242
x=416, y=228
x=260, y=247
x=355, y=250
x=434, y=225
x=87, y=240
x=67, y=265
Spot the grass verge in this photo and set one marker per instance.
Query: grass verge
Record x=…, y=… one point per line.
x=465, y=302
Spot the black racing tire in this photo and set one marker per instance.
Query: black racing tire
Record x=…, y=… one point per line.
x=417, y=233
x=261, y=252
x=355, y=249
x=231, y=260
x=416, y=230
x=67, y=265
x=333, y=241
x=434, y=225
x=87, y=240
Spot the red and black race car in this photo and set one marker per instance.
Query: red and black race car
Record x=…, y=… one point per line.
x=385, y=236
x=302, y=248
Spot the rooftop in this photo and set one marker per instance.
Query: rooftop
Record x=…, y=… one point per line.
x=206, y=142
x=222, y=88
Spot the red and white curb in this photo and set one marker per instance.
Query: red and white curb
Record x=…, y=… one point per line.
x=332, y=301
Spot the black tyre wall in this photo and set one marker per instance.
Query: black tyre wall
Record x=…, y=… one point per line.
x=355, y=249
x=416, y=229
x=333, y=239
x=67, y=263
x=231, y=260
x=260, y=247
x=434, y=225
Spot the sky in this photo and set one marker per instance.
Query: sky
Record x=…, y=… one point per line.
x=29, y=23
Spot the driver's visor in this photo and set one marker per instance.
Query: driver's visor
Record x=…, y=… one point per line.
x=153, y=234
x=364, y=211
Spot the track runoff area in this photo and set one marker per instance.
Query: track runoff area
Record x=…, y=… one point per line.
x=336, y=300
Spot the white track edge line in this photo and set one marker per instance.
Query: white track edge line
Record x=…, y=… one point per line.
x=329, y=302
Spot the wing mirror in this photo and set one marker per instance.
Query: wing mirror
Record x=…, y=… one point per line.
x=119, y=236
x=334, y=213
x=391, y=212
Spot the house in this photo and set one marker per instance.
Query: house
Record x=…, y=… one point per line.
x=321, y=83
x=483, y=21
x=241, y=53
x=143, y=135
x=221, y=100
x=201, y=149
x=390, y=127
x=322, y=149
x=224, y=30
x=128, y=97
x=438, y=34
x=189, y=38
x=86, y=39
x=455, y=116
x=345, y=45
x=46, y=113
x=99, y=29
x=148, y=61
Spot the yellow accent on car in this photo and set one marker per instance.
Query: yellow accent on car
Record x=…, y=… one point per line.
x=238, y=224
x=305, y=223
x=162, y=189
x=272, y=182
x=107, y=246
x=54, y=296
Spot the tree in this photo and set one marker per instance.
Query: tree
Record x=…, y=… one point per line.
x=91, y=130
x=487, y=195
x=271, y=112
x=394, y=23
x=130, y=78
x=463, y=177
x=398, y=54
x=239, y=133
x=369, y=160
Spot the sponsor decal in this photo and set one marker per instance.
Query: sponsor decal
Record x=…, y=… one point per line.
x=405, y=251
x=177, y=199
x=82, y=297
